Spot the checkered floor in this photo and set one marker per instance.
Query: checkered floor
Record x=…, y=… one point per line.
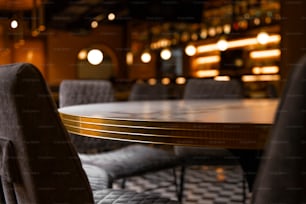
x=203, y=185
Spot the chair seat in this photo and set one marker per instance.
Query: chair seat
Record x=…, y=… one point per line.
x=108, y=196
x=131, y=160
x=112, y=156
x=98, y=178
x=207, y=156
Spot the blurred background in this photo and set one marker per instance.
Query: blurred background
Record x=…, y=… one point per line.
x=168, y=42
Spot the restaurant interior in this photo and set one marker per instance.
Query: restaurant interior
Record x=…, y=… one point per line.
x=181, y=40
x=164, y=44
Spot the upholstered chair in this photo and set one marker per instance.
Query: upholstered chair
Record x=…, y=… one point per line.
x=207, y=89
x=281, y=177
x=119, y=161
x=212, y=89
x=76, y=92
x=39, y=163
x=144, y=91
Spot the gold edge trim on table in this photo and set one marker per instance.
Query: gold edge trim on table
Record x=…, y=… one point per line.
x=227, y=135
x=156, y=139
x=175, y=125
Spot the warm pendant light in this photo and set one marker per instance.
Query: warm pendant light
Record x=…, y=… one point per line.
x=262, y=38
x=190, y=50
x=95, y=56
x=14, y=24
x=145, y=57
x=222, y=45
x=165, y=54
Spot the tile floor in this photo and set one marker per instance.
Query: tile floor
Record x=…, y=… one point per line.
x=204, y=185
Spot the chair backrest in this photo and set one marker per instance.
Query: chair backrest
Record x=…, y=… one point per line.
x=74, y=92
x=212, y=89
x=176, y=91
x=282, y=177
x=38, y=162
x=145, y=91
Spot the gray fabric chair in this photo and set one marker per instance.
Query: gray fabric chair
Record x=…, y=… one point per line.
x=121, y=161
x=75, y=92
x=207, y=89
x=281, y=177
x=212, y=89
x=132, y=160
x=38, y=162
x=144, y=91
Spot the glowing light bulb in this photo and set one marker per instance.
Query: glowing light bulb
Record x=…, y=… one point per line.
x=111, y=16
x=222, y=45
x=190, y=50
x=146, y=57
x=263, y=38
x=165, y=54
x=94, y=24
x=82, y=55
x=95, y=56
x=14, y=24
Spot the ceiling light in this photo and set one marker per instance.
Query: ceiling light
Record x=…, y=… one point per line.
x=165, y=54
x=212, y=32
x=14, y=24
x=145, y=57
x=165, y=81
x=190, y=50
x=262, y=38
x=95, y=56
x=180, y=80
x=82, y=54
x=111, y=16
x=203, y=33
x=94, y=24
x=257, y=21
x=222, y=45
x=152, y=81
x=227, y=28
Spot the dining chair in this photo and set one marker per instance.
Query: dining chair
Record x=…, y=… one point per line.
x=145, y=91
x=281, y=177
x=128, y=159
x=198, y=88
x=39, y=163
x=207, y=89
x=76, y=92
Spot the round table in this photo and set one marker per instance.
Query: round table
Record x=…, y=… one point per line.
x=232, y=124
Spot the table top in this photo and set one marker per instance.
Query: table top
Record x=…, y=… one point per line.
x=239, y=123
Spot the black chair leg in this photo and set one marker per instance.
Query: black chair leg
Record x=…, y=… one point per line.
x=244, y=189
x=123, y=183
x=181, y=187
x=175, y=182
